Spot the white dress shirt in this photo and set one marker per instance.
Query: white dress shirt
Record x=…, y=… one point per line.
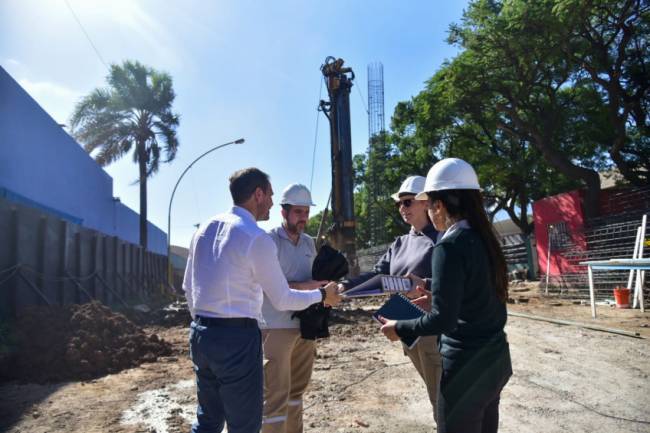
x=231, y=263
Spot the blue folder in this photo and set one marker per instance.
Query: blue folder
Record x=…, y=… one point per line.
x=379, y=285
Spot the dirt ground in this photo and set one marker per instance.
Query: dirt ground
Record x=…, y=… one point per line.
x=566, y=379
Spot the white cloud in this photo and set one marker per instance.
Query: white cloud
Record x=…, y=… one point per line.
x=131, y=15
x=56, y=99
x=14, y=67
x=47, y=89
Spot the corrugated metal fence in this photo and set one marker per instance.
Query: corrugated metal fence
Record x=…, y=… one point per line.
x=45, y=260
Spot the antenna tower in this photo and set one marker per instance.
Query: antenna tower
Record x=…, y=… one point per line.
x=376, y=149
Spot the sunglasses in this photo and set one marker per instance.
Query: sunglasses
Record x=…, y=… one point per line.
x=407, y=203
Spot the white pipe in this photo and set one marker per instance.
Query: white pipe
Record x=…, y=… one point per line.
x=634, y=256
x=638, y=290
x=548, y=257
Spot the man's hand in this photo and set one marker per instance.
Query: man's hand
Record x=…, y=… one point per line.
x=307, y=285
x=388, y=328
x=332, y=296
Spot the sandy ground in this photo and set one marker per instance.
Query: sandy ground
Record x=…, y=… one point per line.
x=566, y=379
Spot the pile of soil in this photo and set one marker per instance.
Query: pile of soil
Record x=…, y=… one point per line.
x=79, y=342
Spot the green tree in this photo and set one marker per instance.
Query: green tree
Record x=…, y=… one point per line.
x=510, y=64
x=378, y=174
x=378, y=222
x=543, y=96
x=510, y=168
x=609, y=42
x=527, y=61
x=439, y=122
x=314, y=223
x=133, y=112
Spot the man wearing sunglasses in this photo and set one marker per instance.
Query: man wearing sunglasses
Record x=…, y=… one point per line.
x=410, y=255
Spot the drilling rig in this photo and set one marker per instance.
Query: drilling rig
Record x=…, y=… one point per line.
x=337, y=110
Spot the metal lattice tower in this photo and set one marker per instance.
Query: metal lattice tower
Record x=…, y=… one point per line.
x=376, y=144
x=375, y=99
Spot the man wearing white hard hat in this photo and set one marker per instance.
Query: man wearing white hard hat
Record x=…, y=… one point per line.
x=410, y=255
x=289, y=358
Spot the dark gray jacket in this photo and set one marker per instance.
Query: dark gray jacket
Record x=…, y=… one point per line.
x=410, y=253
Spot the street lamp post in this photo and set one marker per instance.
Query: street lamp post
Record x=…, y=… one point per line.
x=171, y=199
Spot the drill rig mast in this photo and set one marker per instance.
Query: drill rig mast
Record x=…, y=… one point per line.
x=339, y=82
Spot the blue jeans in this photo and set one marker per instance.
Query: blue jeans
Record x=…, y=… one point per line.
x=229, y=378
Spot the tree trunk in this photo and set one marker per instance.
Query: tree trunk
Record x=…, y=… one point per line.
x=586, y=175
x=525, y=226
x=561, y=162
x=623, y=167
x=618, y=115
x=142, y=165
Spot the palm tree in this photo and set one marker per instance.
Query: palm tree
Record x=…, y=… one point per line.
x=133, y=112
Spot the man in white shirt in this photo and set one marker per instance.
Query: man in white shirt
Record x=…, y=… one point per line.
x=289, y=358
x=231, y=263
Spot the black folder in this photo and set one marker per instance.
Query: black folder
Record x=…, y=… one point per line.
x=399, y=307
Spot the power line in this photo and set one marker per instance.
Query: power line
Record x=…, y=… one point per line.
x=313, y=157
x=74, y=15
x=363, y=102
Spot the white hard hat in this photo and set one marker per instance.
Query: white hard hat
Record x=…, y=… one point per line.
x=411, y=185
x=449, y=173
x=296, y=195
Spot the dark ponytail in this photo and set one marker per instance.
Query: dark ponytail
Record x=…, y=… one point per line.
x=468, y=204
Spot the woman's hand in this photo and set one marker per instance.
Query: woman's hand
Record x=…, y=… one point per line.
x=423, y=301
x=388, y=328
x=416, y=282
x=420, y=297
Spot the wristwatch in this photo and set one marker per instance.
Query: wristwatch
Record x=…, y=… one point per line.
x=323, y=292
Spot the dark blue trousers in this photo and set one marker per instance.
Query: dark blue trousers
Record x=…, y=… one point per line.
x=229, y=382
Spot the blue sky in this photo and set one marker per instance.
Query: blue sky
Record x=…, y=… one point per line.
x=240, y=69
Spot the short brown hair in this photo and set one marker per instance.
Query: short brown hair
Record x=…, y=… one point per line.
x=244, y=182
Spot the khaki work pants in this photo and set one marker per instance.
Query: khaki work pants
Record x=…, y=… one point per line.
x=288, y=364
x=426, y=359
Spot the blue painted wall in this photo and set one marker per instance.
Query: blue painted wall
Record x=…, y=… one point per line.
x=42, y=166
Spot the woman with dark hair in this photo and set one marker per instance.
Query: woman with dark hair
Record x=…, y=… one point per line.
x=469, y=291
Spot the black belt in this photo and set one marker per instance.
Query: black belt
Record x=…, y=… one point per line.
x=229, y=322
